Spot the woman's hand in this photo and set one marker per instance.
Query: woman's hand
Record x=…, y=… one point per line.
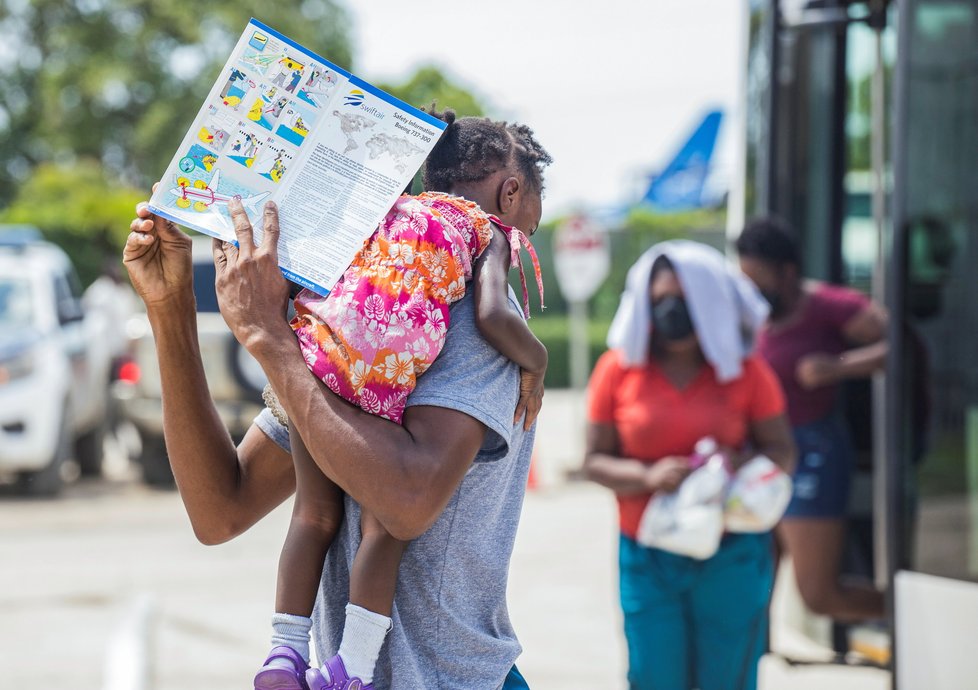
x=531, y=397
x=157, y=256
x=667, y=474
x=817, y=370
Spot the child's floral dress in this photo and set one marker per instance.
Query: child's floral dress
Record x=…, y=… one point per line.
x=385, y=321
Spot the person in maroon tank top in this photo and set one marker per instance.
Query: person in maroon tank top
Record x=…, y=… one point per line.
x=818, y=336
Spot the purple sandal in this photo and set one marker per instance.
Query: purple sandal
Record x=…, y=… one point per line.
x=338, y=679
x=279, y=678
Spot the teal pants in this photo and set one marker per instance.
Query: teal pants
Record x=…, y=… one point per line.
x=696, y=624
x=515, y=681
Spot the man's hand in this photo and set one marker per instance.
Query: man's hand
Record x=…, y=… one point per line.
x=251, y=291
x=667, y=474
x=531, y=398
x=158, y=257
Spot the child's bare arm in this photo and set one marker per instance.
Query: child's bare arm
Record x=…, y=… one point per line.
x=504, y=329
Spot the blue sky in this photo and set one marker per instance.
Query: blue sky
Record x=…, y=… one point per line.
x=610, y=87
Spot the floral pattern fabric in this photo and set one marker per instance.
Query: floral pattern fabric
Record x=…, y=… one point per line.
x=385, y=321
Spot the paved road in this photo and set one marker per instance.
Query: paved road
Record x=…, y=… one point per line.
x=73, y=569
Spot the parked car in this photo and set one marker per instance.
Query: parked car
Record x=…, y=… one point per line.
x=235, y=379
x=54, y=367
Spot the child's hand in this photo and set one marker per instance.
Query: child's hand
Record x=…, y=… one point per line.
x=531, y=397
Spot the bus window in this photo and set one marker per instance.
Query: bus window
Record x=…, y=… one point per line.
x=760, y=46
x=859, y=233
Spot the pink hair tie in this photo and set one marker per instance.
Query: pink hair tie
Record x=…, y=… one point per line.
x=516, y=240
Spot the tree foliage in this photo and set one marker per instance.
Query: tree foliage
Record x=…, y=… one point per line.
x=119, y=81
x=429, y=84
x=78, y=208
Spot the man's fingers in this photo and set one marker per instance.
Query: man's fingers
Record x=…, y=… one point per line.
x=230, y=252
x=137, y=240
x=242, y=228
x=164, y=227
x=520, y=410
x=532, y=412
x=220, y=258
x=137, y=245
x=167, y=229
x=270, y=227
x=141, y=225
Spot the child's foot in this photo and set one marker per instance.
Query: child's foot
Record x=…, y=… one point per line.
x=333, y=676
x=284, y=669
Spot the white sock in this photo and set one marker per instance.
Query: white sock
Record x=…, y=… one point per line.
x=291, y=631
x=363, y=636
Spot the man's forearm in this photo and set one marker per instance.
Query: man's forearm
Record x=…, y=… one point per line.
x=404, y=475
x=200, y=449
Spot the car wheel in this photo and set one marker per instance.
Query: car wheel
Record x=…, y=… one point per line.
x=155, y=463
x=89, y=451
x=50, y=480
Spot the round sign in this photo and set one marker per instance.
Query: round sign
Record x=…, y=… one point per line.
x=582, y=258
x=187, y=164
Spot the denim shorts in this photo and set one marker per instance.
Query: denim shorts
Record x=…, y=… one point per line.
x=824, y=470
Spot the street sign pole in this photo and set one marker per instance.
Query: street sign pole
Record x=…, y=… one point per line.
x=580, y=350
x=582, y=260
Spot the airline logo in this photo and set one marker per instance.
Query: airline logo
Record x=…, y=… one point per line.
x=354, y=98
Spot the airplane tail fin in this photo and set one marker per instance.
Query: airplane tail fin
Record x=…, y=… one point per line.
x=680, y=185
x=253, y=201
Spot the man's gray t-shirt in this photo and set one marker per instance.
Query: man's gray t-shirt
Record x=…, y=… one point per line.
x=451, y=625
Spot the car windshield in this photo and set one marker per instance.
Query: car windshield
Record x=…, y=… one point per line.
x=204, y=287
x=15, y=303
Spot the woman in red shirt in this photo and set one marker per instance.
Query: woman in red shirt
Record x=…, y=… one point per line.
x=688, y=623
x=819, y=335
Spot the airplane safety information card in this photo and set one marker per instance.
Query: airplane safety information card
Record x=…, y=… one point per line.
x=281, y=123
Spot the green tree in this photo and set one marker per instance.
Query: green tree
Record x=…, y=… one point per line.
x=119, y=81
x=429, y=84
x=79, y=208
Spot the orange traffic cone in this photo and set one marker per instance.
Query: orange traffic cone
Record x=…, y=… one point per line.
x=532, y=483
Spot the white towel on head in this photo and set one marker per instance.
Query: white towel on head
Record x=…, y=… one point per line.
x=726, y=308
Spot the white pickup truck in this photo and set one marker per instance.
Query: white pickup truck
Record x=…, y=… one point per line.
x=55, y=366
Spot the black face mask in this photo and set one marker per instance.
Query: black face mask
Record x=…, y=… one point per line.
x=775, y=301
x=670, y=319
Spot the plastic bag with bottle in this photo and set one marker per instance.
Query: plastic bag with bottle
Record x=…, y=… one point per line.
x=689, y=521
x=757, y=497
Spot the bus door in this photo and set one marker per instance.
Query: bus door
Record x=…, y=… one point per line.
x=930, y=512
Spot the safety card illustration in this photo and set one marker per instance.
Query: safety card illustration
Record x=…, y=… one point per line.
x=283, y=124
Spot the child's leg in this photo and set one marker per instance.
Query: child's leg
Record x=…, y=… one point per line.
x=373, y=579
x=316, y=517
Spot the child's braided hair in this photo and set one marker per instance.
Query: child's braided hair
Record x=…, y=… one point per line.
x=472, y=148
